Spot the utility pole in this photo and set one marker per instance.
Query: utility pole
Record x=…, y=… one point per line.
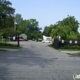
x=17, y=36
x=18, y=40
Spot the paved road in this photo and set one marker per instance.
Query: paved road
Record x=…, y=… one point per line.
x=37, y=61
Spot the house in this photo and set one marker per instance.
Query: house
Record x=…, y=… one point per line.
x=47, y=39
x=23, y=36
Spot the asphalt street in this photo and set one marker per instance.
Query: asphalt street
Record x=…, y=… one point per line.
x=37, y=61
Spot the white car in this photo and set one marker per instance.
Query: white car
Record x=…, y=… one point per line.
x=46, y=41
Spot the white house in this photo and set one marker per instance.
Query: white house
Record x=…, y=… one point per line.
x=23, y=36
x=47, y=39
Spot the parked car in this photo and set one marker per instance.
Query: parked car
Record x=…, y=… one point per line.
x=21, y=39
x=46, y=41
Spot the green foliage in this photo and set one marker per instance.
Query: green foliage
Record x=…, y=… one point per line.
x=23, y=26
x=51, y=45
x=18, y=19
x=54, y=33
x=6, y=18
x=7, y=31
x=72, y=36
x=46, y=31
x=18, y=32
x=78, y=35
x=71, y=22
x=30, y=27
x=51, y=30
x=70, y=47
x=6, y=14
x=67, y=29
x=11, y=46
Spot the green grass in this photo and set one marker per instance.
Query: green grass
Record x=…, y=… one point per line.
x=0, y=40
x=10, y=46
x=4, y=40
x=1, y=50
x=69, y=49
x=51, y=45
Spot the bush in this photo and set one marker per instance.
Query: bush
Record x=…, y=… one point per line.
x=70, y=47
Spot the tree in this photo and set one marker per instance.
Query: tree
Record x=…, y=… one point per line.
x=23, y=26
x=54, y=33
x=18, y=20
x=6, y=18
x=47, y=30
x=6, y=14
x=72, y=36
x=66, y=28
x=8, y=32
x=71, y=22
x=50, y=30
x=63, y=31
x=29, y=27
x=32, y=29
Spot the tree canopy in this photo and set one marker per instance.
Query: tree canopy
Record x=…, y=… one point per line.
x=6, y=17
x=67, y=28
x=31, y=28
x=6, y=14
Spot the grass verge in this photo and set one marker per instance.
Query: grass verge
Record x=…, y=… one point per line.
x=51, y=45
x=1, y=50
x=10, y=46
x=69, y=49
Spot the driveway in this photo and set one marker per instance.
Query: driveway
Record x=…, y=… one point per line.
x=37, y=61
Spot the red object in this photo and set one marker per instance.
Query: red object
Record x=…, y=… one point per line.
x=21, y=39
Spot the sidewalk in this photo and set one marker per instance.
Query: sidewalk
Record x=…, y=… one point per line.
x=70, y=52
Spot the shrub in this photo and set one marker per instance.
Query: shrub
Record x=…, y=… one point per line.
x=70, y=47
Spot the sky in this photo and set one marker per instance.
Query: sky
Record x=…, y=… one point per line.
x=47, y=12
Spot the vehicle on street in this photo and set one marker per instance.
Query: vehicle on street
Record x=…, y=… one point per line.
x=21, y=39
x=46, y=41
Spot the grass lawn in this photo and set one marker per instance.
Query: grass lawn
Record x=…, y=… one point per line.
x=71, y=54
x=10, y=46
x=69, y=49
x=4, y=40
x=51, y=45
x=1, y=50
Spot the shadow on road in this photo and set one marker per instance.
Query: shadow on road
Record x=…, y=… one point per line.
x=24, y=57
x=3, y=73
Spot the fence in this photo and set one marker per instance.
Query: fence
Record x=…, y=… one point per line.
x=62, y=43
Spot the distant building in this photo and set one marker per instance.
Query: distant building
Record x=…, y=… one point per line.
x=23, y=36
x=47, y=39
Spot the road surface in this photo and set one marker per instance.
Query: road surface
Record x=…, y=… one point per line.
x=37, y=61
